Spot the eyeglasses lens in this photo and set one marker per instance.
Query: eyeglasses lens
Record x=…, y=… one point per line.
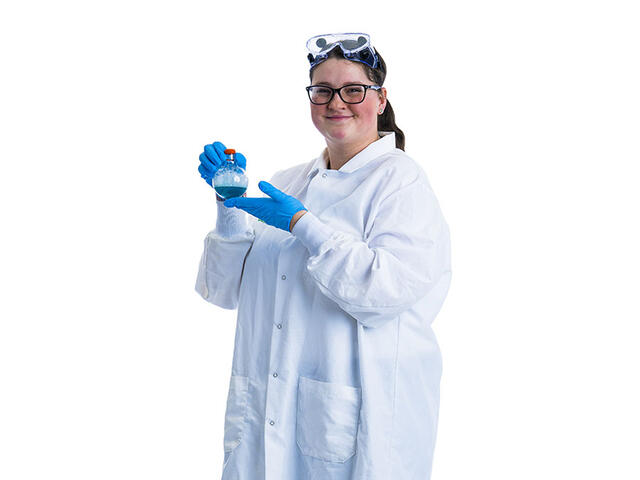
x=348, y=94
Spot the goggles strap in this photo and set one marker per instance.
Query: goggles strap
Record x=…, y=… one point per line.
x=366, y=56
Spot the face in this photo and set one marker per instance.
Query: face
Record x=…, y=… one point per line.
x=344, y=123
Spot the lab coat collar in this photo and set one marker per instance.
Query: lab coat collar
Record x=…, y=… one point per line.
x=372, y=151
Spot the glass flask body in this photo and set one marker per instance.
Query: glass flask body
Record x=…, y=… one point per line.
x=230, y=180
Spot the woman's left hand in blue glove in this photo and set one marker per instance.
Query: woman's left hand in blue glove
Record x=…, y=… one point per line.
x=278, y=210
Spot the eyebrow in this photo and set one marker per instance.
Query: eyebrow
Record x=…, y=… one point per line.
x=346, y=83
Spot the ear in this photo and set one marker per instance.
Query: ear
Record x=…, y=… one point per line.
x=383, y=97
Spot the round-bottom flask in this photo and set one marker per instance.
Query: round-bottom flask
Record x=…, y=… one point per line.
x=230, y=180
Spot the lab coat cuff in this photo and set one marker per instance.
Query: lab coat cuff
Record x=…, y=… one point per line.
x=312, y=232
x=231, y=221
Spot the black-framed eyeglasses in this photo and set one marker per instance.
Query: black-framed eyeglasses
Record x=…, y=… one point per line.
x=352, y=93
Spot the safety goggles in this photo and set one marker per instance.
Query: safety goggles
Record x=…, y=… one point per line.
x=355, y=46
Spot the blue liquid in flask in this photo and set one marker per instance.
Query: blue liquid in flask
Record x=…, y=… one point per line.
x=230, y=192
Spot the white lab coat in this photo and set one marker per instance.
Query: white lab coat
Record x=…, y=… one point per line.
x=336, y=370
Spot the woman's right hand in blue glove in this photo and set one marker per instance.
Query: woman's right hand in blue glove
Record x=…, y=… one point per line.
x=213, y=158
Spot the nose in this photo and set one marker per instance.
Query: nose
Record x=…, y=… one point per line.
x=336, y=102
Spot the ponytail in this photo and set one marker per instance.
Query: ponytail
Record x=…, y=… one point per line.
x=387, y=123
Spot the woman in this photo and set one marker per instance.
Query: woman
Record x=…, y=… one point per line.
x=337, y=276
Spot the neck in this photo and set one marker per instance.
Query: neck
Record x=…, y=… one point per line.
x=341, y=153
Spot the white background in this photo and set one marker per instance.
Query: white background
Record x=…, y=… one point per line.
x=525, y=116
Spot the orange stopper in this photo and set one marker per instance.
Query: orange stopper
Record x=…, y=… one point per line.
x=229, y=151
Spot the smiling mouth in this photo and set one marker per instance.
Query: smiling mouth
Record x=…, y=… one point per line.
x=337, y=118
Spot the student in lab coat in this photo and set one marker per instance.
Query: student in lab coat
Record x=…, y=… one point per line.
x=337, y=274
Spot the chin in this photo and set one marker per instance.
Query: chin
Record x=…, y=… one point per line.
x=337, y=134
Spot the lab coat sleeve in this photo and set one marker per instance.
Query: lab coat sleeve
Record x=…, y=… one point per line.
x=406, y=253
x=222, y=261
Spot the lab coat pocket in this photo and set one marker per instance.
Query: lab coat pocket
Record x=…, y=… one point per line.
x=327, y=419
x=234, y=418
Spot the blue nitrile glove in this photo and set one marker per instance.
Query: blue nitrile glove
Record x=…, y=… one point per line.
x=278, y=210
x=213, y=158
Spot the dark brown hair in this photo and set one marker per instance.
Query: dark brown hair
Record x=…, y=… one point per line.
x=386, y=121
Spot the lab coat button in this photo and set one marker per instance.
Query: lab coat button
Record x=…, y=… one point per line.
x=284, y=277
x=275, y=374
x=271, y=422
x=279, y=325
x=324, y=175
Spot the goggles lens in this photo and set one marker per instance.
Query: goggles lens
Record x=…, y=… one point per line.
x=349, y=42
x=355, y=46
